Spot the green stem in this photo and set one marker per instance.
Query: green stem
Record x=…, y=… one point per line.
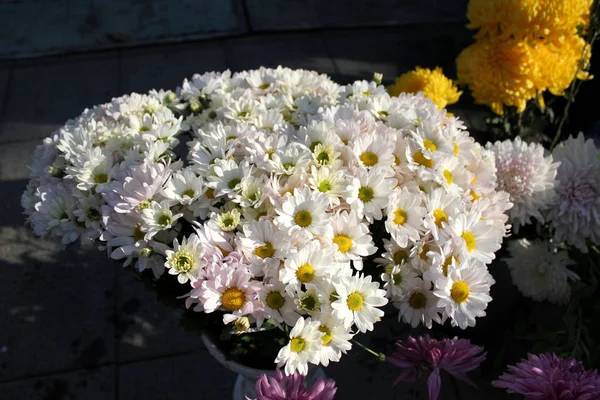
x=380, y=356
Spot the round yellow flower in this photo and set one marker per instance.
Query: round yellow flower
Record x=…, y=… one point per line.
x=498, y=73
x=558, y=62
x=433, y=83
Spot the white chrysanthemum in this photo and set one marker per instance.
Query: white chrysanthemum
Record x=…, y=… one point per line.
x=309, y=265
x=351, y=238
x=228, y=220
x=476, y=237
x=464, y=293
x=158, y=217
x=528, y=176
x=374, y=150
x=357, y=302
x=336, y=339
x=278, y=303
x=305, y=212
x=441, y=207
x=540, y=272
x=418, y=305
x=262, y=241
x=184, y=187
x=370, y=191
x=185, y=260
x=398, y=279
x=305, y=342
x=404, y=216
x=333, y=183
x=227, y=177
x=575, y=217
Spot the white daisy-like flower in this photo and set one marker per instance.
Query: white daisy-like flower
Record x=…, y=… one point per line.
x=309, y=265
x=158, y=217
x=139, y=187
x=398, y=279
x=184, y=187
x=309, y=301
x=539, y=272
x=358, y=299
x=373, y=150
x=336, y=338
x=441, y=206
x=351, y=238
x=228, y=220
x=418, y=305
x=262, y=241
x=528, y=175
x=185, y=260
x=227, y=177
x=278, y=303
x=404, y=216
x=305, y=342
x=370, y=192
x=575, y=217
x=464, y=293
x=304, y=211
x=292, y=159
x=334, y=183
x=476, y=237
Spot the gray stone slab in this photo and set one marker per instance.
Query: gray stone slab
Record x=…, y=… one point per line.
x=44, y=93
x=196, y=375
x=89, y=384
x=148, y=328
x=88, y=24
x=165, y=67
x=4, y=75
x=303, y=14
x=14, y=158
x=57, y=304
x=294, y=50
x=393, y=51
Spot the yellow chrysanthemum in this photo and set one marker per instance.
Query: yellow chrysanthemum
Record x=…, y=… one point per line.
x=558, y=61
x=433, y=83
x=531, y=19
x=498, y=73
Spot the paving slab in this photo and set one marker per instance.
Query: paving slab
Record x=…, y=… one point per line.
x=89, y=24
x=4, y=76
x=311, y=14
x=14, y=158
x=165, y=67
x=44, y=93
x=393, y=51
x=146, y=327
x=294, y=50
x=196, y=375
x=85, y=384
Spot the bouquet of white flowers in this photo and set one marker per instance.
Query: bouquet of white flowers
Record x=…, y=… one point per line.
x=298, y=203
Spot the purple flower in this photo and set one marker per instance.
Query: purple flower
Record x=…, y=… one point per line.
x=280, y=387
x=425, y=355
x=548, y=376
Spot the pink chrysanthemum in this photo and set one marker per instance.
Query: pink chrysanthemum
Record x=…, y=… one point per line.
x=548, y=376
x=281, y=387
x=455, y=356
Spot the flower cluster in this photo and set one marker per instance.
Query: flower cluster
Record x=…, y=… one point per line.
x=423, y=355
x=293, y=387
x=433, y=83
x=287, y=180
x=548, y=376
x=516, y=42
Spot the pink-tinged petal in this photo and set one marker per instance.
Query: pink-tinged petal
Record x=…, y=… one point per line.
x=433, y=384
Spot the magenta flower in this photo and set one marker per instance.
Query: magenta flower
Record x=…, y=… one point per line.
x=548, y=376
x=280, y=387
x=426, y=355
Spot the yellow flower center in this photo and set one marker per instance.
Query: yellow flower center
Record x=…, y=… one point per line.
x=369, y=158
x=305, y=273
x=326, y=338
x=297, y=344
x=343, y=241
x=417, y=301
x=275, y=300
x=459, y=292
x=303, y=218
x=366, y=194
x=100, y=178
x=324, y=187
x=455, y=149
x=400, y=217
x=473, y=181
x=447, y=263
x=448, y=176
x=469, y=240
x=355, y=301
x=265, y=251
x=420, y=159
x=183, y=261
x=429, y=145
x=233, y=299
x=400, y=256
x=264, y=86
x=210, y=193
x=233, y=183
x=189, y=193
x=138, y=234
x=424, y=251
x=440, y=216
